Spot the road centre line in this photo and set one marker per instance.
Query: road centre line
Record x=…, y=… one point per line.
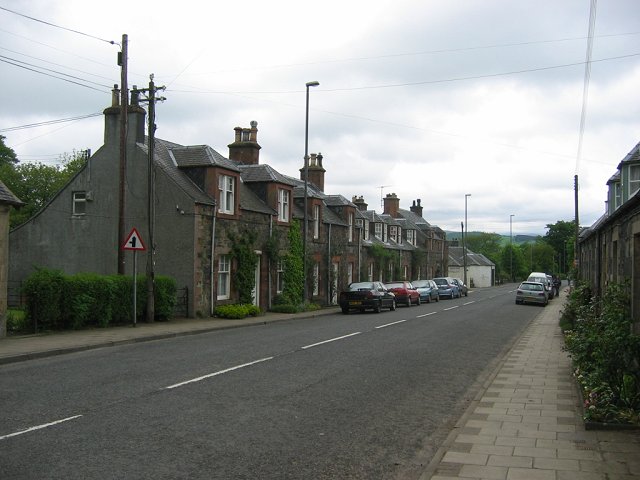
x=426, y=314
x=451, y=308
x=389, y=324
x=38, y=427
x=469, y=303
x=330, y=340
x=214, y=374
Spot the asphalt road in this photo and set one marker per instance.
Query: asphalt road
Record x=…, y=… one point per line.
x=359, y=396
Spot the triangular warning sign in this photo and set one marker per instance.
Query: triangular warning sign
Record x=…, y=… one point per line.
x=134, y=241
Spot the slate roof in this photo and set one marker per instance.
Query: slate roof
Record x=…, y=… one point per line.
x=456, y=258
x=7, y=196
x=263, y=173
x=200, y=156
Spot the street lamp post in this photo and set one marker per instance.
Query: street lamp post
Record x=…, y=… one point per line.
x=511, y=245
x=464, y=239
x=306, y=182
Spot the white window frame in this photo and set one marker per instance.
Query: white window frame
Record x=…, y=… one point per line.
x=634, y=183
x=349, y=272
x=316, y=221
x=224, y=277
x=393, y=233
x=366, y=229
x=79, y=203
x=410, y=237
x=283, y=205
x=378, y=230
x=350, y=235
x=226, y=186
x=370, y=272
x=384, y=232
x=280, y=276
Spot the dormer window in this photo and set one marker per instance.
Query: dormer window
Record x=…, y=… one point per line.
x=283, y=205
x=378, y=230
x=634, y=179
x=618, y=194
x=411, y=237
x=393, y=233
x=226, y=185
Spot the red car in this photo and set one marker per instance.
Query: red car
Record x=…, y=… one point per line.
x=404, y=292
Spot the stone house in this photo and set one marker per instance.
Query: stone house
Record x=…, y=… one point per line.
x=7, y=200
x=203, y=201
x=481, y=272
x=609, y=250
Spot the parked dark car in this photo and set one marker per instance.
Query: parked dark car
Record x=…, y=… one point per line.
x=464, y=290
x=405, y=292
x=427, y=289
x=447, y=287
x=366, y=296
x=532, y=292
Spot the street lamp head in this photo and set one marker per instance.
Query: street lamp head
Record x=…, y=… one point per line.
x=312, y=84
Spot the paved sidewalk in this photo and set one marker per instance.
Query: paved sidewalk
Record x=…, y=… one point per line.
x=526, y=423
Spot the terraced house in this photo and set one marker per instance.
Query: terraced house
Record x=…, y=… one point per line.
x=202, y=205
x=609, y=250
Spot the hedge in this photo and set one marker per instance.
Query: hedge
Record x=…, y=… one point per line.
x=56, y=301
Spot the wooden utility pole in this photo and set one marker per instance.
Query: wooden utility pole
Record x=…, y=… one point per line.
x=124, y=107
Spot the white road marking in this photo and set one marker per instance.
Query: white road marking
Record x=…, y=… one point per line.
x=426, y=314
x=226, y=370
x=389, y=324
x=469, y=303
x=331, y=340
x=39, y=427
x=451, y=308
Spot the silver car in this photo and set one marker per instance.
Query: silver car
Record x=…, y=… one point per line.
x=532, y=292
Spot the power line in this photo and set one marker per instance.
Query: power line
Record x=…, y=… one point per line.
x=58, y=26
x=11, y=61
x=49, y=122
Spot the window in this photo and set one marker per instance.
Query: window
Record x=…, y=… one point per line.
x=378, y=231
x=226, y=185
x=350, y=239
x=370, y=273
x=366, y=229
x=410, y=237
x=393, y=233
x=283, y=205
x=280, y=276
x=224, y=277
x=384, y=232
x=316, y=221
x=618, y=195
x=79, y=203
x=349, y=273
x=634, y=179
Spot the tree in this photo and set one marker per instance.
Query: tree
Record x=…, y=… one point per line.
x=7, y=155
x=560, y=237
x=487, y=244
x=293, y=274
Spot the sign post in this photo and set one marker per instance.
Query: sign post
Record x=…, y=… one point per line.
x=134, y=242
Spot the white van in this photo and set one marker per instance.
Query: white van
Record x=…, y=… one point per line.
x=544, y=279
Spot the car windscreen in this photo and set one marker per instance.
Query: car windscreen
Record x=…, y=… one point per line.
x=394, y=285
x=420, y=284
x=441, y=281
x=354, y=287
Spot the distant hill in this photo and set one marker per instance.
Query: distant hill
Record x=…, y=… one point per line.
x=505, y=238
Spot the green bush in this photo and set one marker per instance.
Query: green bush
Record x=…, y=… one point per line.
x=17, y=321
x=605, y=354
x=44, y=289
x=236, y=311
x=58, y=301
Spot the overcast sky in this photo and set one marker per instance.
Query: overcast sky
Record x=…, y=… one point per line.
x=427, y=99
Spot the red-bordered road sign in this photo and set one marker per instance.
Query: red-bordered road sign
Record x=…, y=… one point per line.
x=134, y=241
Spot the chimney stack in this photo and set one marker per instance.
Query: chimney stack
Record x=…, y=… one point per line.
x=391, y=205
x=245, y=148
x=360, y=203
x=316, y=171
x=417, y=209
